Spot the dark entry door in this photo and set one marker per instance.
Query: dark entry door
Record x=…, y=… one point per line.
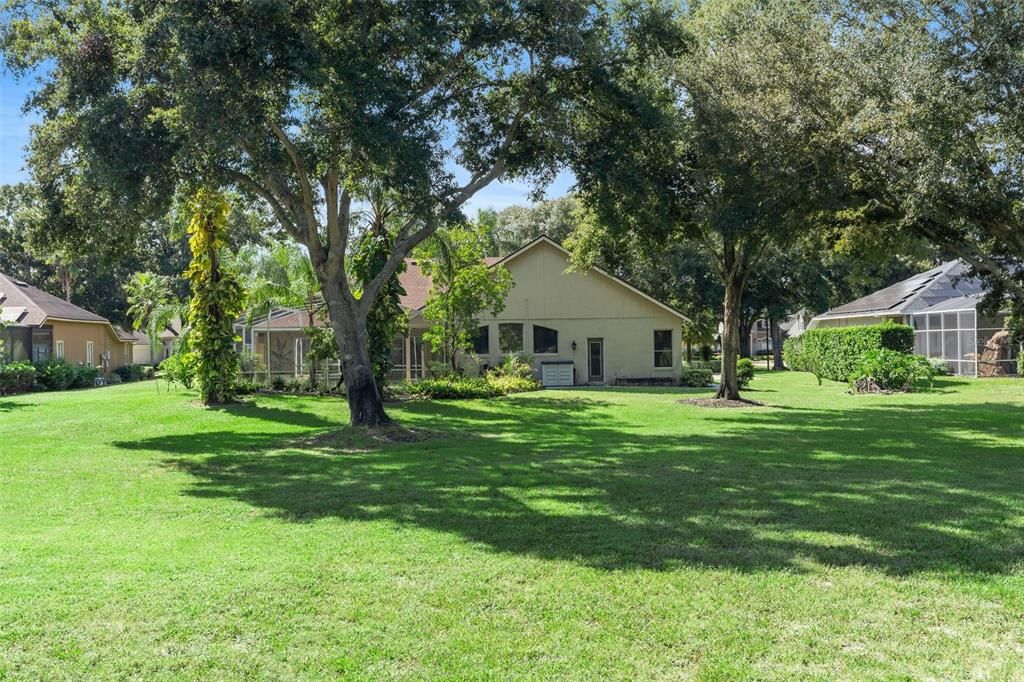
x=595, y=361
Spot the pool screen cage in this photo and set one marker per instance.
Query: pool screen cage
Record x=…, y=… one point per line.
x=970, y=344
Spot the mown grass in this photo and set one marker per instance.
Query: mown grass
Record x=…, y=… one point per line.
x=571, y=534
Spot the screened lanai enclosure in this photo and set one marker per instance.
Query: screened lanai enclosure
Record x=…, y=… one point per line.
x=280, y=341
x=970, y=343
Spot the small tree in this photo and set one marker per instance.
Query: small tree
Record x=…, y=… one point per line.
x=463, y=287
x=217, y=299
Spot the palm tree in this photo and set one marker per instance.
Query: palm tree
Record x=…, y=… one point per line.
x=699, y=331
x=152, y=305
x=281, y=275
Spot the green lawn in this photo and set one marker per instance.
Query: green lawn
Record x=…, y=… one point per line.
x=572, y=534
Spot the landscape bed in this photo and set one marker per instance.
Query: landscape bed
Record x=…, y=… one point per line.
x=610, y=533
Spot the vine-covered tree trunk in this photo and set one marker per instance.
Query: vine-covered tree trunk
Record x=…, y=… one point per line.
x=216, y=300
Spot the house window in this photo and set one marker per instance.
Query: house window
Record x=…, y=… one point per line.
x=510, y=337
x=60, y=348
x=545, y=339
x=42, y=342
x=663, y=348
x=482, y=340
x=88, y=353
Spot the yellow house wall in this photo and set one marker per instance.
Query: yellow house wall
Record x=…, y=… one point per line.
x=75, y=335
x=583, y=305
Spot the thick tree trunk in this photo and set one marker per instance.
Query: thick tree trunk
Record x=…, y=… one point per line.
x=776, y=344
x=728, y=388
x=366, y=408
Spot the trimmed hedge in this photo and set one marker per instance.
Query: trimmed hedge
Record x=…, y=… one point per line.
x=715, y=365
x=836, y=352
x=16, y=377
x=695, y=376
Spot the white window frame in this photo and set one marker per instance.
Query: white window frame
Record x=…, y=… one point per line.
x=58, y=348
x=90, y=354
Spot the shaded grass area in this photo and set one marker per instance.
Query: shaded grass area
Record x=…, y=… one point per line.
x=584, y=533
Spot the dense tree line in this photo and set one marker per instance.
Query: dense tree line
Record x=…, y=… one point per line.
x=736, y=134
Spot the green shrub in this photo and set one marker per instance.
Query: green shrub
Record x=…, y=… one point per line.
x=297, y=385
x=493, y=384
x=939, y=367
x=889, y=370
x=505, y=384
x=83, y=377
x=179, y=368
x=278, y=383
x=55, y=375
x=714, y=365
x=514, y=366
x=744, y=372
x=695, y=376
x=454, y=387
x=248, y=386
x=835, y=352
x=134, y=372
x=16, y=377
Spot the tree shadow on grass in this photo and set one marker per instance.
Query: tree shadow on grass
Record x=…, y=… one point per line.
x=10, y=405
x=900, y=488
x=251, y=409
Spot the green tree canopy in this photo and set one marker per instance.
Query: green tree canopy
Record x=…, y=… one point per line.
x=304, y=103
x=463, y=287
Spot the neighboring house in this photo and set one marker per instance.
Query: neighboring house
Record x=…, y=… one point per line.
x=143, y=350
x=41, y=326
x=578, y=327
x=941, y=305
x=760, y=336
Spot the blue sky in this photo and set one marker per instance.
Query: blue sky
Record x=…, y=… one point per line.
x=14, y=133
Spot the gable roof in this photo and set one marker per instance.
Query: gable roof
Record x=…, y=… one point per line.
x=417, y=288
x=912, y=294
x=26, y=305
x=544, y=239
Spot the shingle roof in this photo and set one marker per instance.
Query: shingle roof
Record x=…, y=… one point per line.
x=959, y=303
x=35, y=305
x=914, y=293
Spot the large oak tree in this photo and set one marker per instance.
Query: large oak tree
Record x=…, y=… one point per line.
x=307, y=104
x=708, y=144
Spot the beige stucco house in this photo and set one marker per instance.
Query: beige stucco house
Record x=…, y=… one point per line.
x=578, y=327
x=40, y=326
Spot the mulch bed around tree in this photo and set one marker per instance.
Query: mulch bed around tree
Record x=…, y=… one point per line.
x=717, y=402
x=348, y=439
